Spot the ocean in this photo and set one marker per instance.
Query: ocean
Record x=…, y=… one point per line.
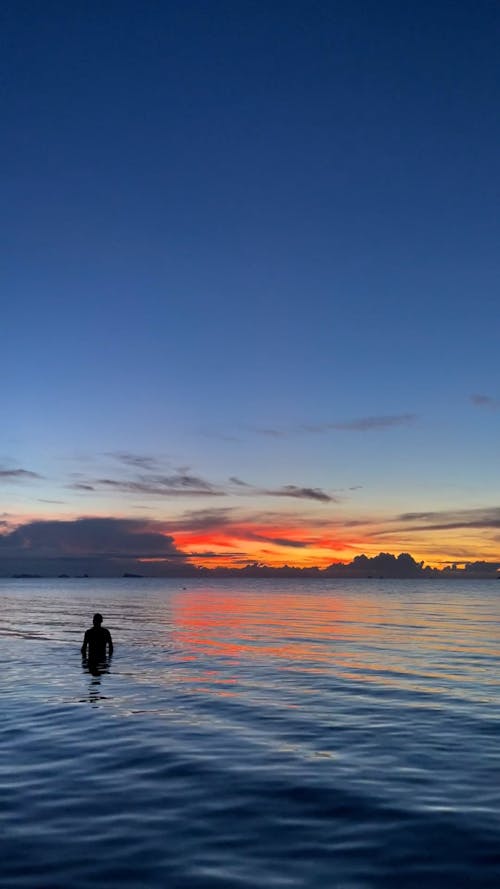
x=290, y=733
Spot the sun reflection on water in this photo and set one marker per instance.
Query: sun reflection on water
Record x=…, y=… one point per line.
x=395, y=642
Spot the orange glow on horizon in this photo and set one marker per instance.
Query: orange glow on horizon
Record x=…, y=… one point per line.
x=303, y=547
x=230, y=538
x=274, y=546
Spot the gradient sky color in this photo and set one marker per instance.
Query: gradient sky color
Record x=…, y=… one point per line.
x=250, y=276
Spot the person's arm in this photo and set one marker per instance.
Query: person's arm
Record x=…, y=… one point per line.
x=110, y=644
x=84, y=646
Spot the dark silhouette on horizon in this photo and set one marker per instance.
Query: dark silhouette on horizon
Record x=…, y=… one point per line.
x=383, y=565
x=97, y=644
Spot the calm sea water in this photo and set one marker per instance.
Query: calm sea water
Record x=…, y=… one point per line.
x=251, y=734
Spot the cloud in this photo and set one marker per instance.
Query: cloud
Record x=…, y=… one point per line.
x=182, y=484
x=104, y=546
x=173, y=485
x=202, y=520
x=229, y=528
x=219, y=435
x=302, y=493
x=280, y=541
x=445, y=520
x=89, y=536
x=273, y=433
x=487, y=514
x=365, y=424
x=450, y=526
x=212, y=554
x=138, y=461
x=18, y=475
x=361, y=424
x=485, y=401
x=178, y=484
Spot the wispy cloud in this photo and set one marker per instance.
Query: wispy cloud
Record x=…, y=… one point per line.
x=454, y=515
x=273, y=433
x=18, y=475
x=182, y=483
x=360, y=424
x=137, y=461
x=176, y=485
x=280, y=541
x=302, y=493
x=364, y=424
x=212, y=554
x=486, y=401
x=172, y=485
x=219, y=435
x=203, y=519
x=443, y=520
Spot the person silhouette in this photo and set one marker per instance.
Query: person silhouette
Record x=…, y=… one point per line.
x=96, y=639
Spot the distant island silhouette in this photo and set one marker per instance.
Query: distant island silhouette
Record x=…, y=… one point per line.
x=382, y=566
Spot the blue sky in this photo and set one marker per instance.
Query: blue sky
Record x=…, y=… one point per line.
x=235, y=234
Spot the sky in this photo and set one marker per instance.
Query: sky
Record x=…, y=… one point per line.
x=250, y=281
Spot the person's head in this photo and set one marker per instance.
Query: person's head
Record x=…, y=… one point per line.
x=97, y=620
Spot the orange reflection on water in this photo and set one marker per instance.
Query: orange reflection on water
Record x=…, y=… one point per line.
x=390, y=640
x=290, y=626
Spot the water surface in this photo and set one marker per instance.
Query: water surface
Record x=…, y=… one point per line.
x=251, y=734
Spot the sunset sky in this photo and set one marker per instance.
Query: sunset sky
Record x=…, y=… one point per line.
x=250, y=304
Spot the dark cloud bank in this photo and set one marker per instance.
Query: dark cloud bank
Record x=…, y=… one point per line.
x=102, y=547
x=109, y=547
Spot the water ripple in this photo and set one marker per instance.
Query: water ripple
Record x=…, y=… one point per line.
x=265, y=735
